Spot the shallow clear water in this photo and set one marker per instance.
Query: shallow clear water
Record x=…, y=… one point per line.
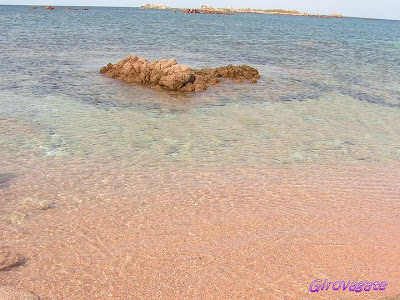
x=244, y=191
x=330, y=89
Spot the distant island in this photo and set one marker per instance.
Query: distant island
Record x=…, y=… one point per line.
x=230, y=10
x=155, y=6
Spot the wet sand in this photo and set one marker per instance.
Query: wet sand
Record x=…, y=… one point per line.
x=262, y=233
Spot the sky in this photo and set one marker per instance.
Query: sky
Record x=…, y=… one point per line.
x=383, y=9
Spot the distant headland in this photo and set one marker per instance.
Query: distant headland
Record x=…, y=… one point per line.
x=230, y=10
x=155, y=6
x=54, y=8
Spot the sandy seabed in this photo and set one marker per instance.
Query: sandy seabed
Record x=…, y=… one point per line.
x=253, y=233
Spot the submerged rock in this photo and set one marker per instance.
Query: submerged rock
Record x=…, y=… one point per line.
x=17, y=217
x=40, y=204
x=191, y=11
x=13, y=293
x=173, y=76
x=9, y=260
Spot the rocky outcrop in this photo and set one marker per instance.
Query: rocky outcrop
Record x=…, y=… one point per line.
x=335, y=16
x=230, y=10
x=154, y=6
x=173, y=76
x=215, y=11
x=50, y=8
x=13, y=293
x=191, y=11
x=207, y=11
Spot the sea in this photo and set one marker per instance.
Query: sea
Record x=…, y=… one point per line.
x=329, y=92
x=327, y=103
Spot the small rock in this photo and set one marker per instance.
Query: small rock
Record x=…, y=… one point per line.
x=10, y=260
x=13, y=293
x=41, y=204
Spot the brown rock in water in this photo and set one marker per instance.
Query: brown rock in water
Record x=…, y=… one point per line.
x=173, y=76
x=10, y=260
x=13, y=293
x=191, y=11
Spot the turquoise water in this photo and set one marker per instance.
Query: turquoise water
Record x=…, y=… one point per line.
x=123, y=191
x=329, y=92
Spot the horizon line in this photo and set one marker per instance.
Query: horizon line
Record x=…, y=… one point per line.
x=111, y=6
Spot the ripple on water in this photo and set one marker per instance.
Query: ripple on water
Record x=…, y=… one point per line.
x=243, y=186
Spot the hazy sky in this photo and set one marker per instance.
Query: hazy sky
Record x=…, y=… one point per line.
x=385, y=9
